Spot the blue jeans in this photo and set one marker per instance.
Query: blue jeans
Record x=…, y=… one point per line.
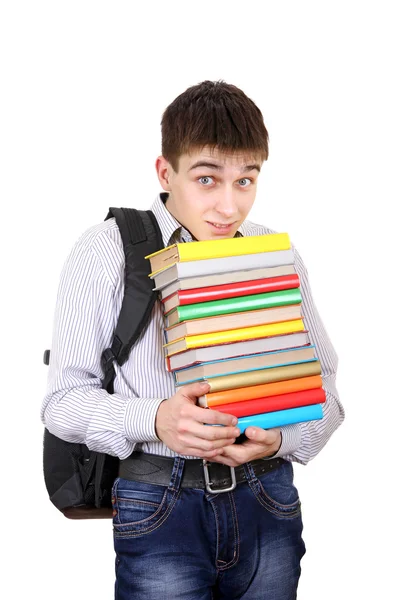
x=176, y=543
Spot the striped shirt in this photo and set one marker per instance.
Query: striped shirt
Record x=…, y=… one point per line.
x=89, y=300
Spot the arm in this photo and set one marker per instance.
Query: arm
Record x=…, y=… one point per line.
x=75, y=407
x=303, y=441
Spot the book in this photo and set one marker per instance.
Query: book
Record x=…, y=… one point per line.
x=239, y=380
x=287, y=386
x=224, y=351
x=189, y=283
x=272, y=403
x=227, y=247
x=232, y=305
x=233, y=335
x=230, y=290
x=230, y=321
x=240, y=364
x=226, y=264
x=280, y=418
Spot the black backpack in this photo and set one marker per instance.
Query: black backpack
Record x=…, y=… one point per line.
x=78, y=480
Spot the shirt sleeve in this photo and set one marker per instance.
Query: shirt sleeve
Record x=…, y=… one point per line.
x=76, y=408
x=301, y=442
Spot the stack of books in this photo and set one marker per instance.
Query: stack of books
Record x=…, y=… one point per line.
x=233, y=318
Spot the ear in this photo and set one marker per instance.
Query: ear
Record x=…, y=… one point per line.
x=164, y=170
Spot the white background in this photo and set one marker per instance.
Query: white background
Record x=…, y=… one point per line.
x=84, y=85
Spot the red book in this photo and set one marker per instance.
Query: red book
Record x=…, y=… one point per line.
x=272, y=403
x=231, y=290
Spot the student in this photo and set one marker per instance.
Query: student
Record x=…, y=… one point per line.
x=173, y=538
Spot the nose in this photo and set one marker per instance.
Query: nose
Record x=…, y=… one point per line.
x=226, y=204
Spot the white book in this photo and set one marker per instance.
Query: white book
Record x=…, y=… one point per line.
x=190, y=283
x=223, y=351
x=226, y=264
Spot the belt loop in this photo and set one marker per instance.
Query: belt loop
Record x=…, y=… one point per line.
x=177, y=473
x=249, y=472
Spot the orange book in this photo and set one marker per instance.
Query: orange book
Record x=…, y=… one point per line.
x=260, y=391
x=273, y=403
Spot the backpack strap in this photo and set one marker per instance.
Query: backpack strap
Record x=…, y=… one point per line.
x=141, y=236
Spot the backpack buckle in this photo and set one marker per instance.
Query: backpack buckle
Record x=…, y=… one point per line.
x=107, y=360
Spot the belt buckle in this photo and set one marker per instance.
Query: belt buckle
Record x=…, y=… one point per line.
x=208, y=481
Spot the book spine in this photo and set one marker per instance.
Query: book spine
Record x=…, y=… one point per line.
x=259, y=391
x=230, y=382
x=241, y=304
x=272, y=403
x=281, y=418
x=236, y=290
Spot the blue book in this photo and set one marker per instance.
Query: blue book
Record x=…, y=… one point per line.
x=280, y=418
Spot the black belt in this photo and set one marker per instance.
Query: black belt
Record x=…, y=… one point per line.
x=197, y=473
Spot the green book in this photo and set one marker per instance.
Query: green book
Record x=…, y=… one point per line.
x=232, y=305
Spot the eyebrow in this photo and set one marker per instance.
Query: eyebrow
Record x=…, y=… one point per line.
x=217, y=167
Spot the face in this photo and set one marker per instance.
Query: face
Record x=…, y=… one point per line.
x=212, y=192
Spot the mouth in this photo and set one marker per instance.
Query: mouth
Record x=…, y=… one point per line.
x=221, y=226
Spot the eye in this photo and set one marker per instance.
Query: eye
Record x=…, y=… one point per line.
x=244, y=182
x=206, y=181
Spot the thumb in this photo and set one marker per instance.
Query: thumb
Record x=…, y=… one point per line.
x=194, y=390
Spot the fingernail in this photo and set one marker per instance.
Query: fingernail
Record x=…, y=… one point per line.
x=234, y=421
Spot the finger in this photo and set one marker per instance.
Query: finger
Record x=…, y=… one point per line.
x=194, y=390
x=207, y=445
x=193, y=451
x=235, y=455
x=209, y=455
x=213, y=417
x=211, y=432
x=201, y=443
x=262, y=436
x=222, y=459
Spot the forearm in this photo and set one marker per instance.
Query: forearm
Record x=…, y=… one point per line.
x=109, y=423
x=303, y=441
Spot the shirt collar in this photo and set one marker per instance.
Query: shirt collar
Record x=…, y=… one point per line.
x=240, y=231
x=172, y=231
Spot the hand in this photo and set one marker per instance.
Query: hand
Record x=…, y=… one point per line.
x=180, y=424
x=260, y=443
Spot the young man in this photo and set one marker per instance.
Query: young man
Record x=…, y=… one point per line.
x=173, y=538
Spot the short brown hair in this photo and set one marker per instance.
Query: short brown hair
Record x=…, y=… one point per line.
x=216, y=114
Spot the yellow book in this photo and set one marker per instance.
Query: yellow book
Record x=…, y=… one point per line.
x=183, y=252
x=233, y=335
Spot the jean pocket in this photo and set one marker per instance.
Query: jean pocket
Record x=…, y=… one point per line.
x=138, y=507
x=276, y=492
